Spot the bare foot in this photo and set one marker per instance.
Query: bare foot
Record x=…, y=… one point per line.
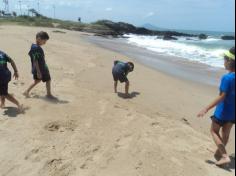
x=218, y=155
x=223, y=161
x=26, y=94
x=51, y=97
x=21, y=109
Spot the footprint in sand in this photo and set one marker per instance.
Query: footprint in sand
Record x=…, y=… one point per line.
x=155, y=124
x=139, y=165
x=185, y=121
x=17, y=83
x=91, y=155
x=61, y=126
x=58, y=167
x=34, y=155
x=124, y=142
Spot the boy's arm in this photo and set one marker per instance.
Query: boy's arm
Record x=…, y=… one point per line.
x=16, y=74
x=212, y=105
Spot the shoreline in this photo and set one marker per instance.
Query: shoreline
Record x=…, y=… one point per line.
x=175, y=66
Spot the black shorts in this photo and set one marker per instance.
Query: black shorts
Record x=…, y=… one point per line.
x=221, y=122
x=45, y=77
x=120, y=77
x=3, y=89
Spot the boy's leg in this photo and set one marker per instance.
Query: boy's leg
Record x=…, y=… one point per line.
x=49, y=92
x=2, y=102
x=27, y=92
x=225, y=138
x=14, y=101
x=48, y=87
x=215, y=131
x=4, y=92
x=115, y=86
x=127, y=87
x=226, y=132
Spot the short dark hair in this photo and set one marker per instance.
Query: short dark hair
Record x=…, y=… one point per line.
x=132, y=65
x=42, y=35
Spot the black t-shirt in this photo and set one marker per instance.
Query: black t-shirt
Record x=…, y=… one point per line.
x=5, y=74
x=36, y=53
x=121, y=68
x=4, y=58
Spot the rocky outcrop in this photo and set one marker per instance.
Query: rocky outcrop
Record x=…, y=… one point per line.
x=169, y=37
x=202, y=36
x=228, y=37
x=121, y=28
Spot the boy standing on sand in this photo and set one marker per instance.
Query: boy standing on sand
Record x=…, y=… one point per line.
x=120, y=72
x=40, y=69
x=5, y=78
x=224, y=117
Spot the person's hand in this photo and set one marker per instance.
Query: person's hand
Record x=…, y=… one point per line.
x=16, y=75
x=202, y=113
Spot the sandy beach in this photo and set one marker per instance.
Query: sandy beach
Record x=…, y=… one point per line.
x=91, y=131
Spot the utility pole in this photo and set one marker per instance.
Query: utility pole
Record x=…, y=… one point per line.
x=20, y=6
x=54, y=11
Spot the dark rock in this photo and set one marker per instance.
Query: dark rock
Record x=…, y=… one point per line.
x=189, y=39
x=202, y=36
x=169, y=37
x=121, y=28
x=159, y=37
x=142, y=31
x=228, y=37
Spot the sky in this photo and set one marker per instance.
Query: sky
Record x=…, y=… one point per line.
x=206, y=15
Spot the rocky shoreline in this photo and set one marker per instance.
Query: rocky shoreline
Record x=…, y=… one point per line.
x=119, y=29
x=103, y=28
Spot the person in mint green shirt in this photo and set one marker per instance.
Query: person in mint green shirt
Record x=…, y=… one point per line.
x=224, y=116
x=5, y=78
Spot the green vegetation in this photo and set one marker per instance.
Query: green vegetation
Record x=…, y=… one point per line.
x=42, y=21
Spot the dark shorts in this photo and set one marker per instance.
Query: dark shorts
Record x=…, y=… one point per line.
x=45, y=77
x=221, y=122
x=119, y=77
x=3, y=89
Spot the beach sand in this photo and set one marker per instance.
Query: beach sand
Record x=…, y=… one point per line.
x=90, y=131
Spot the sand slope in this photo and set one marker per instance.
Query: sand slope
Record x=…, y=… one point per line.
x=92, y=132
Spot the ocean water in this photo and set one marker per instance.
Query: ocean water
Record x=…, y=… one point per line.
x=209, y=51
